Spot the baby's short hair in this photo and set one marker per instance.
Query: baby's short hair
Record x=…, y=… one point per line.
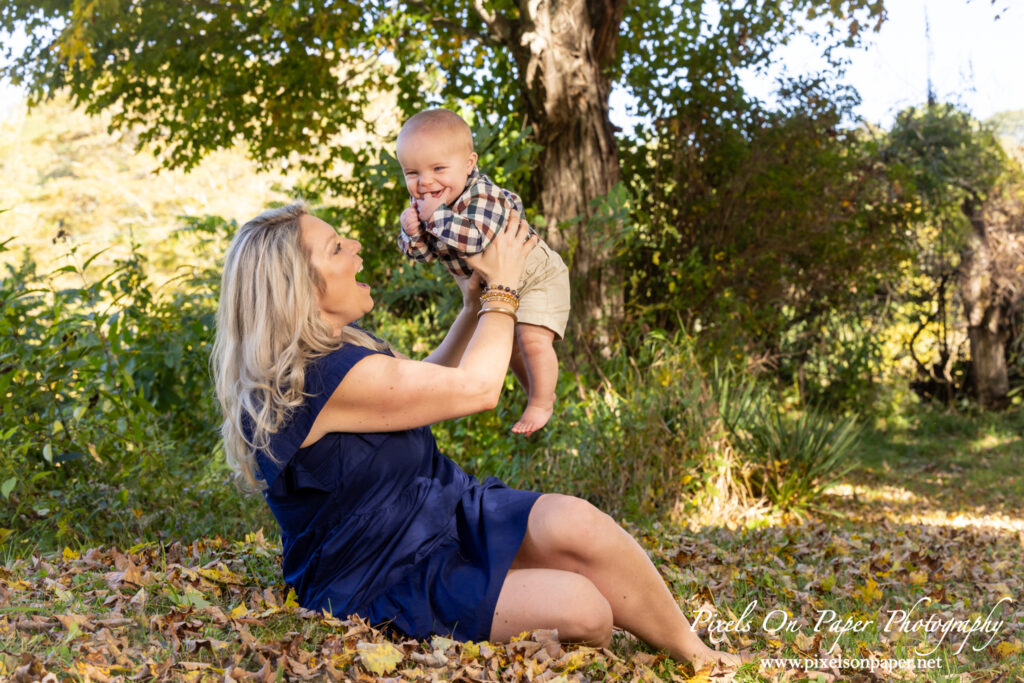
x=442, y=121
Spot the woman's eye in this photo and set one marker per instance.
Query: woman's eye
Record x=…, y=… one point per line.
x=337, y=248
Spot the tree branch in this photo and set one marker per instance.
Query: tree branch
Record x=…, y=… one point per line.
x=499, y=25
x=455, y=27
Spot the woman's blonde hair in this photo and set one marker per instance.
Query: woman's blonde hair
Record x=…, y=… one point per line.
x=269, y=328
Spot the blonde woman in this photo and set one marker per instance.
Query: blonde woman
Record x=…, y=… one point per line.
x=335, y=429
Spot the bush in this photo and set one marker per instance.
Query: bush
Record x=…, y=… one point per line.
x=109, y=428
x=791, y=461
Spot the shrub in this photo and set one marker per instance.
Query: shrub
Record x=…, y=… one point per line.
x=109, y=425
x=791, y=461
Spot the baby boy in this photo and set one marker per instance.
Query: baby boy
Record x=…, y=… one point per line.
x=455, y=212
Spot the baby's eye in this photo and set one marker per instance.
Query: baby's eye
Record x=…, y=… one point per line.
x=337, y=248
x=440, y=168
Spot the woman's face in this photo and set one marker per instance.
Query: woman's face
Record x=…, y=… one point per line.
x=336, y=259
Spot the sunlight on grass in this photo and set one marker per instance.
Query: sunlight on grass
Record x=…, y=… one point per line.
x=924, y=511
x=886, y=494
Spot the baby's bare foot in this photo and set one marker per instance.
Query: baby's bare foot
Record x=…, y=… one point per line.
x=534, y=417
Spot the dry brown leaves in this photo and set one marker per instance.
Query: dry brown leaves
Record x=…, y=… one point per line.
x=215, y=610
x=196, y=612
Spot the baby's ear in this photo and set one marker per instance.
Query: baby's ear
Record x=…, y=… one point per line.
x=471, y=162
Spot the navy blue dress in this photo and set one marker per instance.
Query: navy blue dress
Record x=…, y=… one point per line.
x=385, y=526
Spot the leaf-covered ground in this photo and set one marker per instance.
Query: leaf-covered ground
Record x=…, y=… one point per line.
x=913, y=526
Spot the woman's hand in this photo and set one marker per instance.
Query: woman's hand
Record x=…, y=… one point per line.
x=503, y=261
x=471, y=288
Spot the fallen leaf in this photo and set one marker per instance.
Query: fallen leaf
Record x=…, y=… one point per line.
x=378, y=658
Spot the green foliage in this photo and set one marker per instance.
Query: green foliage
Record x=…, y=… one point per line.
x=790, y=461
x=109, y=428
x=289, y=79
x=767, y=231
x=630, y=435
x=946, y=156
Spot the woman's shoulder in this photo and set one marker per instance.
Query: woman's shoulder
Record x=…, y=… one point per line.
x=326, y=371
x=323, y=375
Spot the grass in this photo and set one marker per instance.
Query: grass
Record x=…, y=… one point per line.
x=922, y=517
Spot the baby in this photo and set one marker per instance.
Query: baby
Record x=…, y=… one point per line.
x=455, y=212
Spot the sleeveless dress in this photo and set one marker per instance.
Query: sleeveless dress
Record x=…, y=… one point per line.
x=385, y=526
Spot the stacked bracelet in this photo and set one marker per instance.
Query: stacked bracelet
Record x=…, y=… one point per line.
x=502, y=294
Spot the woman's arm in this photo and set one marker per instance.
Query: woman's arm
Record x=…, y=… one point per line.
x=450, y=351
x=381, y=393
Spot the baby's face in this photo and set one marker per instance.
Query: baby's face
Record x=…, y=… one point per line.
x=434, y=166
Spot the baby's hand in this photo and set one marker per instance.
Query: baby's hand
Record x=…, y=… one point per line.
x=410, y=222
x=428, y=205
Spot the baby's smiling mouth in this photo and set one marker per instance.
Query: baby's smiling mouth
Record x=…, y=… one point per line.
x=435, y=193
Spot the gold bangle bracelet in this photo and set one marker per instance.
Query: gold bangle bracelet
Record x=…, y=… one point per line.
x=496, y=309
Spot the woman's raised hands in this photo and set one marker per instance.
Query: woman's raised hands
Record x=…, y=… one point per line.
x=503, y=261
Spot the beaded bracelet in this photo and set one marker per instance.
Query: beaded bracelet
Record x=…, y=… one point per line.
x=501, y=289
x=500, y=298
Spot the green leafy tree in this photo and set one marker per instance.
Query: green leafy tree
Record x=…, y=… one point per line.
x=289, y=79
x=967, y=191
x=771, y=231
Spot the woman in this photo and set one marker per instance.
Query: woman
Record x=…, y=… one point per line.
x=334, y=427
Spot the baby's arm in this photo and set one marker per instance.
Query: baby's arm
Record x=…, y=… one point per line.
x=411, y=222
x=479, y=217
x=411, y=239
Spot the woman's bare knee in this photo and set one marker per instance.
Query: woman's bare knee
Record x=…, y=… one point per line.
x=571, y=528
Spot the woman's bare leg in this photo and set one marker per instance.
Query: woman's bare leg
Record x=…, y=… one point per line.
x=551, y=598
x=569, y=534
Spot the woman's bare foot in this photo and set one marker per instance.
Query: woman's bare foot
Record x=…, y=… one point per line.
x=712, y=657
x=534, y=417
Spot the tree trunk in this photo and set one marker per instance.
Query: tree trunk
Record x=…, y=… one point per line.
x=986, y=326
x=562, y=49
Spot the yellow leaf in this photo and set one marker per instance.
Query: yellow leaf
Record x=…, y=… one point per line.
x=918, y=578
x=239, y=611
x=470, y=650
x=1002, y=589
x=70, y=554
x=292, y=600
x=702, y=676
x=1008, y=648
x=379, y=658
x=869, y=591
x=441, y=643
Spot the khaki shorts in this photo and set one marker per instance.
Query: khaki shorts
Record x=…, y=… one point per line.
x=544, y=291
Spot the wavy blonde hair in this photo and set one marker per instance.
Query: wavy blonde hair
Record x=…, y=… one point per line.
x=269, y=328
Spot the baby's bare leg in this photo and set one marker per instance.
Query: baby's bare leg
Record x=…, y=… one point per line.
x=518, y=366
x=536, y=348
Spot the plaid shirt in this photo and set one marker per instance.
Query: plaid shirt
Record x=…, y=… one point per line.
x=463, y=229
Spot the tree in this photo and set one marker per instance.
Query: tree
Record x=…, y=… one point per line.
x=289, y=78
x=968, y=192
